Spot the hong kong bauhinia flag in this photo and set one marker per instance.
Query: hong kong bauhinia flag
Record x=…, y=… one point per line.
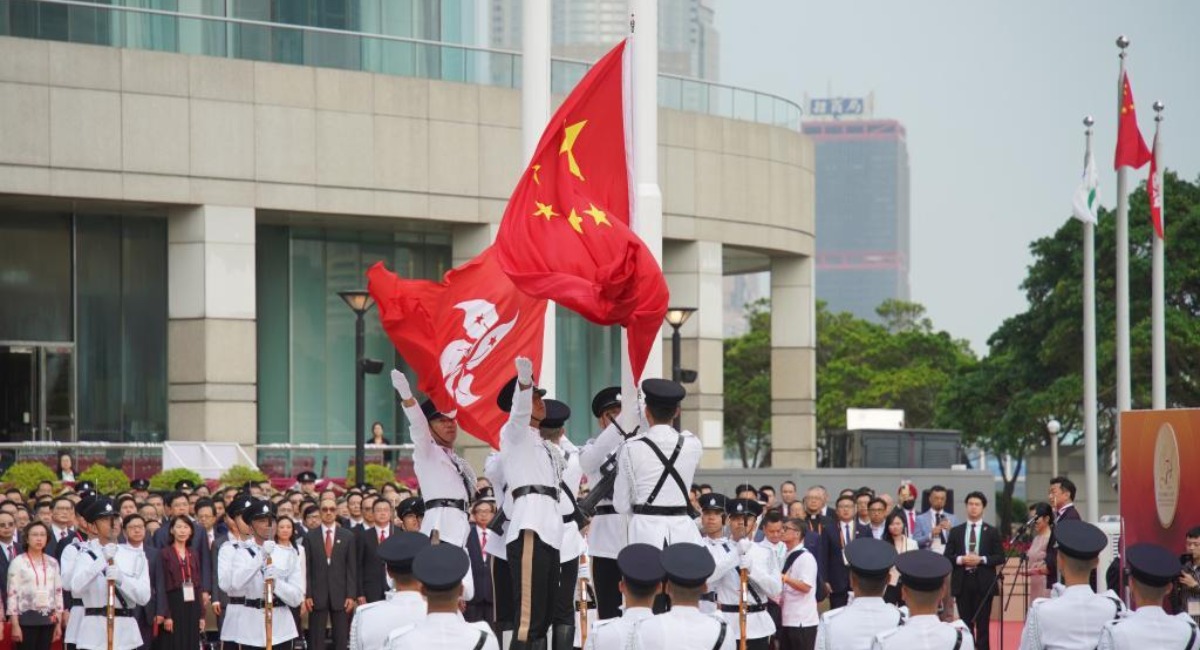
x=566, y=232
x=461, y=335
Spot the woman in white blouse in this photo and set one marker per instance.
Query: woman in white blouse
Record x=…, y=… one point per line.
x=35, y=602
x=893, y=532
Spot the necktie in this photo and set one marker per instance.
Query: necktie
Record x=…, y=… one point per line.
x=328, y=544
x=973, y=541
x=845, y=534
x=8, y=552
x=483, y=536
x=912, y=521
x=63, y=534
x=381, y=536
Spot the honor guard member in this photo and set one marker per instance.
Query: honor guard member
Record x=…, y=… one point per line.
x=607, y=532
x=447, y=481
x=764, y=582
x=1073, y=619
x=403, y=605
x=72, y=603
x=502, y=587
x=1152, y=570
x=140, y=488
x=552, y=429
x=655, y=469
x=235, y=599
x=441, y=569
x=854, y=626
x=534, y=472
x=411, y=513
x=688, y=567
x=251, y=570
x=95, y=565
x=724, y=552
x=641, y=580
x=922, y=583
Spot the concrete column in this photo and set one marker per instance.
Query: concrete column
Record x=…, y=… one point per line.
x=211, y=338
x=467, y=242
x=793, y=363
x=693, y=270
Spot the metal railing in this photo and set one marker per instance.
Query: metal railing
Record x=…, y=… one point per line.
x=259, y=40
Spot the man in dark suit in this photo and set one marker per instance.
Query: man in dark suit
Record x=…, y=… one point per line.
x=481, y=607
x=332, y=578
x=134, y=530
x=834, y=539
x=372, y=576
x=1062, y=500
x=9, y=547
x=975, y=550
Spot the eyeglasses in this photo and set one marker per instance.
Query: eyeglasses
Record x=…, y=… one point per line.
x=328, y=509
x=6, y=525
x=790, y=529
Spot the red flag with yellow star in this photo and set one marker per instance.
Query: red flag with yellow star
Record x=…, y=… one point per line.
x=1131, y=148
x=565, y=235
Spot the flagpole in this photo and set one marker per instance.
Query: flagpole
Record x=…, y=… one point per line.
x=1124, y=397
x=1090, y=460
x=1158, y=335
x=535, y=114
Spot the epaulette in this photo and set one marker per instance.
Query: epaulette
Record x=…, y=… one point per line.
x=601, y=623
x=399, y=632
x=882, y=636
x=832, y=613
x=1038, y=601
x=958, y=623
x=367, y=607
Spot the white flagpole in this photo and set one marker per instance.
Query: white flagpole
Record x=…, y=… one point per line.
x=1158, y=334
x=535, y=114
x=647, y=204
x=1090, y=460
x=1124, y=396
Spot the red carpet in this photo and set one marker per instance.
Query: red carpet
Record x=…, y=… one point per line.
x=1012, y=635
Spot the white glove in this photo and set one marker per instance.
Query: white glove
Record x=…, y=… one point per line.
x=268, y=548
x=524, y=371
x=400, y=383
x=110, y=551
x=744, y=545
x=270, y=572
x=744, y=562
x=113, y=573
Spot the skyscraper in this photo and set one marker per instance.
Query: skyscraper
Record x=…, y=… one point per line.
x=862, y=207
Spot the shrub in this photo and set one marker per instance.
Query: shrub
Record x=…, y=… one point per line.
x=375, y=475
x=107, y=480
x=165, y=481
x=26, y=476
x=239, y=475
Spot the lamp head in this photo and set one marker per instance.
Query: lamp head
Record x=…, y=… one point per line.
x=677, y=316
x=1053, y=427
x=357, y=300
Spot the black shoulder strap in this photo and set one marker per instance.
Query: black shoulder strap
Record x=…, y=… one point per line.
x=792, y=557
x=1117, y=603
x=721, y=636
x=958, y=640
x=668, y=469
x=482, y=640
x=1191, y=639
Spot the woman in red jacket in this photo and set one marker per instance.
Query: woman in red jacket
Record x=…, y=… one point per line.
x=179, y=599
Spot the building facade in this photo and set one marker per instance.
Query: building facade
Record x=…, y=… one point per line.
x=862, y=213
x=181, y=199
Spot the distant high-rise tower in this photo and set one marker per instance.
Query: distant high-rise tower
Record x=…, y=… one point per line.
x=862, y=207
x=585, y=29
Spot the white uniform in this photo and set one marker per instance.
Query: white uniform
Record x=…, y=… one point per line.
x=443, y=631
x=765, y=583
x=1071, y=621
x=442, y=475
x=233, y=612
x=726, y=557
x=373, y=622
x=854, y=626
x=67, y=567
x=572, y=542
x=684, y=627
x=639, y=470
x=247, y=577
x=1150, y=627
x=617, y=633
x=88, y=582
x=529, y=461
x=607, y=534
x=926, y=633
x=493, y=469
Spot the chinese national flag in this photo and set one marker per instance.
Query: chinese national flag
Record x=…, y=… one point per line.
x=461, y=335
x=1131, y=148
x=565, y=235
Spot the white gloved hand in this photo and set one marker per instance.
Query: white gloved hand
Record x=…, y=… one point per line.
x=268, y=548
x=270, y=572
x=113, y=573
x=524, y=371
x=744, y=545
x=400, y=383
x=744, y=562
x=110, y=551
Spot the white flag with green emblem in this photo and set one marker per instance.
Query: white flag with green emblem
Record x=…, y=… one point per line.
x=1087, y=197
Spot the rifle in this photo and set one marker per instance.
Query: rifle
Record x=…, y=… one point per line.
x=745, y=578
x=110, y=612
x=582, y=605
x=268, y=598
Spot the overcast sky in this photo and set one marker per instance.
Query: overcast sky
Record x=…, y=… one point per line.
x=992, y=96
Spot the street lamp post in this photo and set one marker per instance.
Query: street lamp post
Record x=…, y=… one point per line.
x=1053, y=427
x=676, y=317
x=360, y=302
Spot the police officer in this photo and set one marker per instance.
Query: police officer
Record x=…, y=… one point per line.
x=607, y=533
x=70, y=554
x=96, y=564
x=232, y=599
x=535, y=528
x=248, y=576
x=764, y=580
x=687, y=567
x=403, y=605
x=1152, y=569
x=447, y=481
x=411, y=513
x=552, y=429
x=655, y=469
x=724, y=552
x=441, y=570
x=922, y=584
x=641, y=579
x=854, y=626
x=1074, y=618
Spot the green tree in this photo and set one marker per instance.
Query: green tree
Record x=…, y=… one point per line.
x=748, y=389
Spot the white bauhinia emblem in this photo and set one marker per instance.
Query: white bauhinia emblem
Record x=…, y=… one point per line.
x=484, y=332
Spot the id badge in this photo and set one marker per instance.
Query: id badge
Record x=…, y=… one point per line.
x=189, y=592
x=1193, y=607
x=41, y=598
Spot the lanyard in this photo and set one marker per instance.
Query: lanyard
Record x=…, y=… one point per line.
x=34, y=568
x=185, y=567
